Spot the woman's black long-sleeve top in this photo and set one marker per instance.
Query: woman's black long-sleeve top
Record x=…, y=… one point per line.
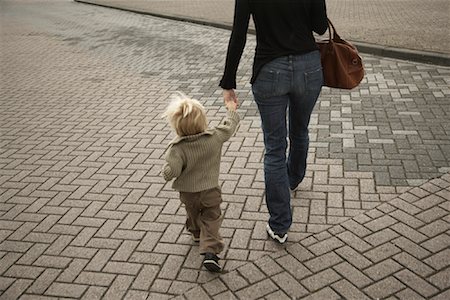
x=283, y=27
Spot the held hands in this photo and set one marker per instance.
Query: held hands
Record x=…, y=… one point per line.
x=230, y=99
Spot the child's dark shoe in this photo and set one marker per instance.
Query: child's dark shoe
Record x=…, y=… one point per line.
x=195, y=238
x=211, y=262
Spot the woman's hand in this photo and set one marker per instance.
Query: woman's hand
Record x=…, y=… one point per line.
x=230, y=96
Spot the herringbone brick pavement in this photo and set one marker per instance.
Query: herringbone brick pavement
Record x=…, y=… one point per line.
x=84, y=212
x=399, y=250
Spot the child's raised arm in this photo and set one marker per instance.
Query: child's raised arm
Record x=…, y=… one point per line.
x=228, y=127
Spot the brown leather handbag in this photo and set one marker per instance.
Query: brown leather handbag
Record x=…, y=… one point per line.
x=341, y=63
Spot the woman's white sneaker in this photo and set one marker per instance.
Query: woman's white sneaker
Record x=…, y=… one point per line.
x=280, y=238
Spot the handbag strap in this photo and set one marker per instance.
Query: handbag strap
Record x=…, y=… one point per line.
x=335, y=36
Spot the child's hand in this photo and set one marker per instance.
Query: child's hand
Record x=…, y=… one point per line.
x=231, y=105
x=230, y=99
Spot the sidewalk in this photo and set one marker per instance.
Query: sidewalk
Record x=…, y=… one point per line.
x=412, y=29
x=399, y=249
x=85, y=213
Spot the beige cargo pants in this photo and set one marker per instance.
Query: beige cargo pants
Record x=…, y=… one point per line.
x=204, y=218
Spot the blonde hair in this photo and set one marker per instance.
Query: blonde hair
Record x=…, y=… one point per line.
x=186, y=116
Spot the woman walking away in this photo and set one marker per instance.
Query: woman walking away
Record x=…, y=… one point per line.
x=286, y=82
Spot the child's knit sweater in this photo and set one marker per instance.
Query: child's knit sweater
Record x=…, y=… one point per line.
x=194, y=160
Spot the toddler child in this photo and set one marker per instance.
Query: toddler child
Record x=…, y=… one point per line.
x=193, y=159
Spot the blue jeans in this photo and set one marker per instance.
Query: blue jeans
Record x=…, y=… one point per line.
x=286, y=85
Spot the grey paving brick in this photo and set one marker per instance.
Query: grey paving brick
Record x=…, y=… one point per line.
x=416, y=283
x=293, y=266
x=354, y=241
x=188, y=275
x=439, y=260
x=52, y=261
x=382, y=269
x=325, y=246
x=83, y=238
x=149, y=241
x=289, y=285
x=437, y=243
x=353, y=257
x=323, y=262
x=125, y=250
x=320, y=280
x=408, y=294
x=225, y=296
x=384, y=288
x=19, y=271
x=432, y=214
x=124, y=268
x=214, y=287
x=382, y=252
x=268, y=265
x=174, y=249
x=257, y=290
x=100, y=243
x=251, y=273
x=407, y=218
x=99, y=260
x=127, y=234
x=180, y=287
x=66, y=290
x=78, y=252
x=435, y=228
x=413, y=264
x=89, y=222
x=408, y=232
x=58, y=246
x=101, y=279
x=241, y=238
x=410, y=247
x=72, y=271
x=15, y=246
x=381, y=237
x=196, y=293
x=171, y=267
x=23, y=231
x=237, y=254
x=442, y=296
x=429, y=201
x=419, y=192
x=352, y=274
x=380, y=223
x=9, y=224
x=326, y=293
x=35, y=251
x=119, y=287
x=161, y=286
x=440, y=279
x=132, y=294
x=16, y=289
x=234, y=281
x=348, y=291
x=172, y=233
x=405, y=206
x=5, y=282
x=277, y=295
x=149, y=258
